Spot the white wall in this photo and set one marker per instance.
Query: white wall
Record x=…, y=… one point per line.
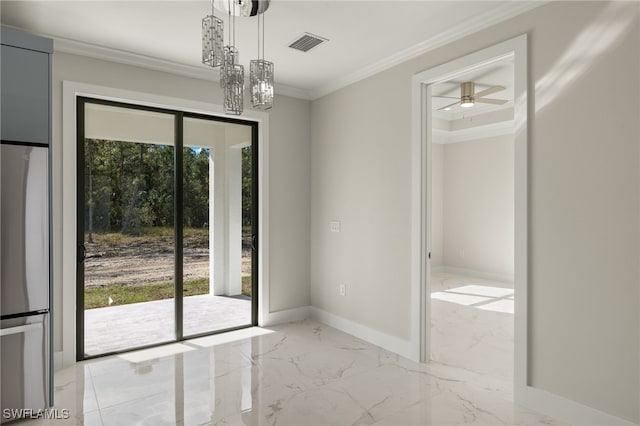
x=584, y=222
x=437, y=205
x=361, y=176
x=478, y=205
x=289, y=142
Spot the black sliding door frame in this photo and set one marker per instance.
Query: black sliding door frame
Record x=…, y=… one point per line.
x=178, y=180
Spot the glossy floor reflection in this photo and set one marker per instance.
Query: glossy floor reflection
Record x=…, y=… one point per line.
x=472, y=326
x=301, y=373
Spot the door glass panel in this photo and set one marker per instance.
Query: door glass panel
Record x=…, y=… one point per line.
x=214, y=244
x=129, y=229
x=247, y=221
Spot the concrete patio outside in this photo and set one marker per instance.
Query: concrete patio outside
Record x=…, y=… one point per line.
x=122, y=327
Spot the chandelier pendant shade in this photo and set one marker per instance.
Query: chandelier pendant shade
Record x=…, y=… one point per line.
x=232, y=82
x=212, y=40
x=230, y=57
x=261, y=80
x=234, y=89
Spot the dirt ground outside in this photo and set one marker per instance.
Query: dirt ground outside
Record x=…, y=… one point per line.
x=149, y=259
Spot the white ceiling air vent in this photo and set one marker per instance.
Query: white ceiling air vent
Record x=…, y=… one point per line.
x=306, y=42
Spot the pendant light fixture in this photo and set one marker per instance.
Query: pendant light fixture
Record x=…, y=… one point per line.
x=232, y=73
x=212, y=33
x=216, y=54
x=261, y=76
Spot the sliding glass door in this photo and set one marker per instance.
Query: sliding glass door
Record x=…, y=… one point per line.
x=217, y=235
x=166, y=235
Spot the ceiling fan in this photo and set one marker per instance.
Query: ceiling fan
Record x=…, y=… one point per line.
x=468, y=97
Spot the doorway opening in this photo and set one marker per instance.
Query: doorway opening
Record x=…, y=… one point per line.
x=164, y=197
x=491, y=295
x=472, y=222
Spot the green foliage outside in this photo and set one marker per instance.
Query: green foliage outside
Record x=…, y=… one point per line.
x=130, y=186
x=121, y=294
x=247, y=171
x=246, y=286
x=193, y=237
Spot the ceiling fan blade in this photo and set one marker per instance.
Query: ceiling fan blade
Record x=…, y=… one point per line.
x=448, y=97
x=491, y=101
x=489, y=91
x=448, y=106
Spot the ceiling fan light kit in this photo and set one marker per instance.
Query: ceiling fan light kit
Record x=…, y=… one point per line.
x=469, y=97
x=227, y=57
x=467, y=102
x=467, y=90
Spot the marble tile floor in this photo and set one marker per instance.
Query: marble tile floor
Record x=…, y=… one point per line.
x=472, y=325
x=122, y=327
x=302, y=373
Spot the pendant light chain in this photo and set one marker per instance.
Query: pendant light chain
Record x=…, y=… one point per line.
x=262, y=35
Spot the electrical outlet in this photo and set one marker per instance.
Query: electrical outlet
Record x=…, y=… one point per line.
x=343, y=290
x=334, y=225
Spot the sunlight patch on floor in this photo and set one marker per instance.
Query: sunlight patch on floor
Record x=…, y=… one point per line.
x=231, y=336
x=460, y=299
x=155, y=353
x=483, y=290
x=487, y=298
x=505, y=306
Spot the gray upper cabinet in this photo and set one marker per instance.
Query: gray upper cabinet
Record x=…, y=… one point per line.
x=26, y=87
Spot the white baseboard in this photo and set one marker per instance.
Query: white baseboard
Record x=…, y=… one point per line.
x=473, y=273
x=566, y=410
x=287, y=315
x=438, y=269
x=378, y=338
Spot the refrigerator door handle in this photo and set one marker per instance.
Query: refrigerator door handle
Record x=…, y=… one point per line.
x=20, y=329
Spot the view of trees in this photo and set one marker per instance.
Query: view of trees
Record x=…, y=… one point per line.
x=129, y=187
x=246, y=186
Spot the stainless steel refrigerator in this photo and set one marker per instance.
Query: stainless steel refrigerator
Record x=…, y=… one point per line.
x=24, y=271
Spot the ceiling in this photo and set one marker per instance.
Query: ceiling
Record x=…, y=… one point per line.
x=364, y=36
x=482, y=120
x=496, y=74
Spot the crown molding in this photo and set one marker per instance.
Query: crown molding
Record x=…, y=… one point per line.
x=474, y=133
x=293, y=92
x=480, y=22
x=501, y=13
x=128, y=58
